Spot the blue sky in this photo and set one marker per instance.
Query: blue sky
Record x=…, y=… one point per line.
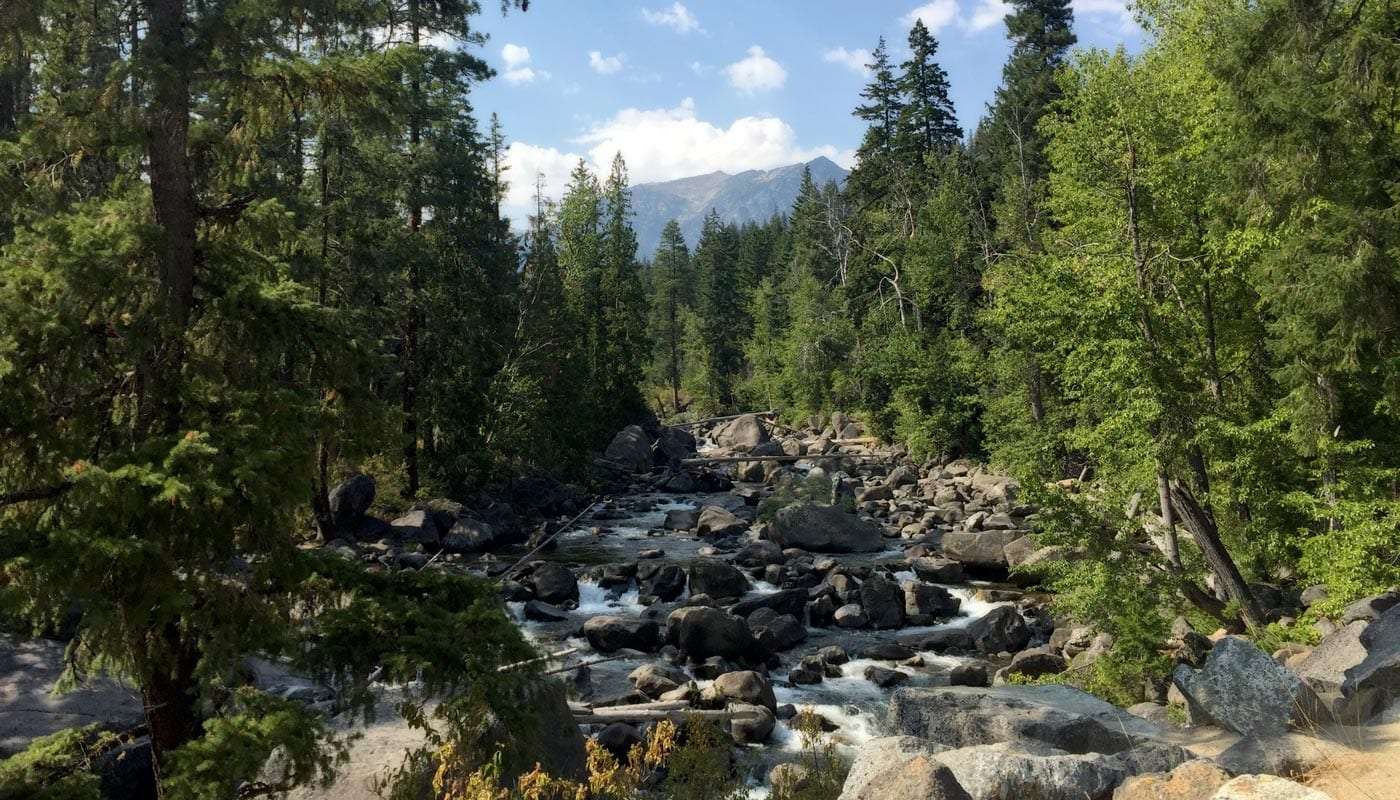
x=683, y=88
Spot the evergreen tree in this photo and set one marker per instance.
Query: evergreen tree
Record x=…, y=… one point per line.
x=719, y=308
x=624, y=301
x=671, y=287
x=927, y=123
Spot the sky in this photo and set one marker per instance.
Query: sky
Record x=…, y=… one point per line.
x=688, y=88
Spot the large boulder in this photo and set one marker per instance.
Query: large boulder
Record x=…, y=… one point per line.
x=470, y=535
x=787, y=601
x=937, y=570
x=1019, y=770
x=743, y=434
x=1057, y=716
x=717, y=579
x=654, y=680
x=608, y=634
x=700, y=632
x=1355, y=670
x=716, y=521
x=925, y=603
x=776, y=632
x=630, y=449
x=554, y=584
x=418, y=526
x=900, y=768
x=1001, y=630
x=883, y=602
x=753, y=725
x=1197, y=779
x=673, y=445
x=824, y=529
x=1267, y=787
x=1244, y=690
x=661, y=580
x=983, y=550
x=745, y=686
x=349, y=500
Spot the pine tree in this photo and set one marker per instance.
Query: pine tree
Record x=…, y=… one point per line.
x=719, y=309
x=624, y=300
x=927, y=123
x=671, y=288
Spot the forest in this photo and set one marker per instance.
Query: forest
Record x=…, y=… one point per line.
x=252, y=248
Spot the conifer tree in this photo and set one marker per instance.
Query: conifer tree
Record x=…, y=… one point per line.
x=927, y=123
x=671, y=289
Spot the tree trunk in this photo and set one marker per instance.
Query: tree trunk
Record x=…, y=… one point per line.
x=168, y=695
x=1164, y=499
x=409, y=393
x=1203, y=529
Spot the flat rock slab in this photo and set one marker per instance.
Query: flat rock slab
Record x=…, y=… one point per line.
x=825, y=529
x=29, y=709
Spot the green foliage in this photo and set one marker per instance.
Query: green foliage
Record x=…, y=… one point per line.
x=55, y=767
x=702, y=767
x=826, y=770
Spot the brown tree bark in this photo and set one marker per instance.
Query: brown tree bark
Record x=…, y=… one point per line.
x=1203, y=530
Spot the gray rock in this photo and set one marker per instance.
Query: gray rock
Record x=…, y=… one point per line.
x=755, y=729
x=1001, y=630
x=745, y=686
x=701, y=632
x=654, y=680
x=673, y=445
x=1018, y=770
x=937, y=570
x=984, y=550
x=761, y=553
x=539, y=611
x=744, y=433
x=824, y=529
x=1370, y=608
x=717, y=521
x=883, y=602
x=630, y=449
x=1036, y=662
x=776, y=632
x=661, y=580
x=608, y=634
x=416, y=527
x=717, y=579
x=1267, y=787
x=925, y=604
x=1244, y=690
x=974, y=674
x=884, y=769
x=349, y=501
x=1313, y=595
x=850, y=616
x=1334, y=669
x=619, y=738
x=681, y=519
x=554, y=584
x=1197, y=779
x=787, y=601
x=884, y=677
x=468, y=535
x=1057, y=716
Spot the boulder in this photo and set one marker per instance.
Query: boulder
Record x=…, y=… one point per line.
x=470, y=535
x=1036, y=662
x=654, y=680
x=1197, y=779
x=1017, y=770
x=884, y=677
x=787, y=601
x=717, y=521
x=743, y=434
x=1370, y=608
x=680, y=519
x=776, y=632
x=824, y=529
x=349, y=501
x=745, y=686
x=883, y=602
x=701, y=632
x=925, y=604
x=416, y=527
x=619, y=738
x=1057, y=716
x=756, y=728
x=1001, y=630
x=1267, y=787
x=1244, y=690
x=985, y=550
x=1355, y=670
x=717, y=579
x=554, y=584
x=630, y=449
x=899, y=768
x=608, y=634
x=539, y=611
x=937, y=570
x=660, y=580
x=974, y=674
x=761, y=553
x=850, y=616
x=673, y=445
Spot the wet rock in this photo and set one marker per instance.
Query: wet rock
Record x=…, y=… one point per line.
x=883, y=603
x=554, y=584
x=349, y=501
x=761, y=553
x=703, y=632
x=1197, y=779
x=715, y=521
x=968, y=675
x=776, y=632
x=884, y=677
x=834, y=654
x=539, y=611
x=1001, y=630
x=1244, y=690
x=925, y=604
x=608, y=634
x=886, y=651
x=937, y=570
x=654, y=680
x=810, y=670
x=787, y=601
x=821, y=613
x=660, y=580
x=755, y=729
x=680, y=519
x=948, y=640
x=1266, y=787
x=850, y=616
x=619, y=738
x=824, y=529
x=717, y=579
x=630, y=449
x=1007, y=770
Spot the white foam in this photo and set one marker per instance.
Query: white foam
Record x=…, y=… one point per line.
x=761, y=588
x=594, y=600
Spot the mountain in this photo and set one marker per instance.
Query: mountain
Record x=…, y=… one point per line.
x=752, y=196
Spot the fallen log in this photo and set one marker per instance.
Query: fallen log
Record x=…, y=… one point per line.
x=708, y=420
x=572, y=667
x=536, y=660
x=601, y=717
x=659, y=705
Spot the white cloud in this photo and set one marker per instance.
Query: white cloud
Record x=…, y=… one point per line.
x=604, y=65
x=756, y=73
x=987, y=14
x=854, y=60
x=518, y=69
x=1116, y=10
x=936, y=15
x=660, y=144
x=678, y=18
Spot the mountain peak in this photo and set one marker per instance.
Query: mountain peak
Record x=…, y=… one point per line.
x=749, y=196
